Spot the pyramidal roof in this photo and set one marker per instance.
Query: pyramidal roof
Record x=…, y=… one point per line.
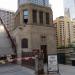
x=5, y=43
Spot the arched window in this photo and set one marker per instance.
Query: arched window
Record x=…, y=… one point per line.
x=24, y=43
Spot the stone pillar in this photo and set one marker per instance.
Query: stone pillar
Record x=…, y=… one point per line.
x=38, y=17
x=21, y=17
x=44, y=18
x=30, y=19
x=19, y=51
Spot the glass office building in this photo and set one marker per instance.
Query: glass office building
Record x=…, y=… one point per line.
x=38, y=2
x=69, y=8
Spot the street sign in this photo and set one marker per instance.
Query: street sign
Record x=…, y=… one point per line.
x=52, y=63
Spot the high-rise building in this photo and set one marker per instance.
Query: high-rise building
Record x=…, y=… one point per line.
x=38, y=2
x=63, y=31
x=69, y=8
x=65, y=39
x=73, y=31
x=7, y=18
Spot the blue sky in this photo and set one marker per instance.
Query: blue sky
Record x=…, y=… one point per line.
x=57, y=6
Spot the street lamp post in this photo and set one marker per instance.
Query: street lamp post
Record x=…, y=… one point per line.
x=39, y=65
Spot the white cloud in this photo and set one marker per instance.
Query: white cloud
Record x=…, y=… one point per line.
x=57, y=7
x=8, y=4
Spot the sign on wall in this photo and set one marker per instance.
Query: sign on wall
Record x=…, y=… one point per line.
x=52, y=63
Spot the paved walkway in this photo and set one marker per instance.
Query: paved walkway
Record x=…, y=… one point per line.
x=15, y=70
x=19, y=70
x=67, y=70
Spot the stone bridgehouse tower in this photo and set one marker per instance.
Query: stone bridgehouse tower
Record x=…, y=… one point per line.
x=34, y=28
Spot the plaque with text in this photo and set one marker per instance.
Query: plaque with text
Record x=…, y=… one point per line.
x=52, y=63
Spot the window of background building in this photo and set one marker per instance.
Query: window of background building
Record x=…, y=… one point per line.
x=47, y=18
x=41, y=17
x=55, y=25
x=24, y=43
x=68, y=27
x=34, y=16
x=68, y=31
x=25, y=16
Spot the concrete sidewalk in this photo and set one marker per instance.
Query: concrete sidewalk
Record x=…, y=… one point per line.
x=49, y=74
x=12, y=69
x=15, y=70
